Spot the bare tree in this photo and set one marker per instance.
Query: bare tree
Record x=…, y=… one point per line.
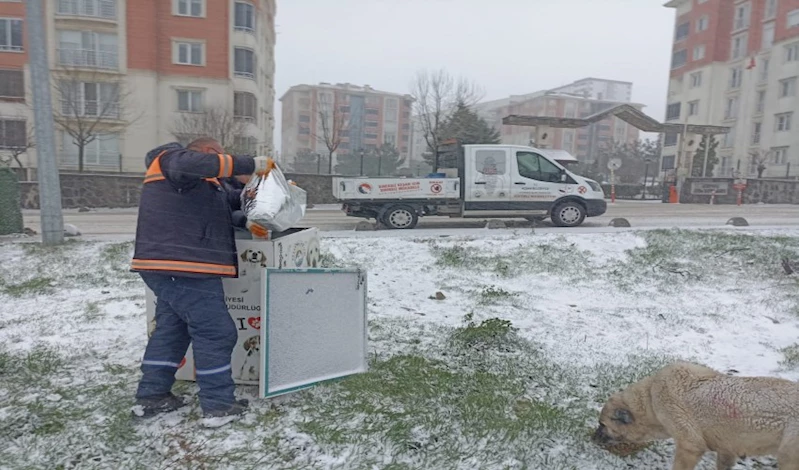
x=219, y=123
x=90, y=105
x=332, y=123
x=758, y=160
x=19, y=139
x=437, y=96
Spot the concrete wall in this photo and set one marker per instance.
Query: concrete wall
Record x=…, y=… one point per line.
x=97, y=190
x=767, y=191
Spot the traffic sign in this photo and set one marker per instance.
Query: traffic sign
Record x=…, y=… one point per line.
x=614, y=164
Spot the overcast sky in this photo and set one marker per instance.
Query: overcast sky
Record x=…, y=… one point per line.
x=506, y=46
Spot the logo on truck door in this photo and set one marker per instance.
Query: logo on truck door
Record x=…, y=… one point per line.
x=435, y=188
x=365, y=188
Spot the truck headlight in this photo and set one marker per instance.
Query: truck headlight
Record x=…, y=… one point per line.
x=594, y=186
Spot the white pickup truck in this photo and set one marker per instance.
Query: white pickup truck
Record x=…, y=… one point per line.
x=497, y=181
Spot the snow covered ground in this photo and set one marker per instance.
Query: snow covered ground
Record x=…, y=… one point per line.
x=507, y=371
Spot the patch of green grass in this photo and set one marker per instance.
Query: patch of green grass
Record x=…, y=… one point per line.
x=41, y=361
x=494, y=294
x=34, y=286
x=38, y=249
x=492, y=333
x=791, y=354
x=329, y=260
x=116, y=252
x=92, y=312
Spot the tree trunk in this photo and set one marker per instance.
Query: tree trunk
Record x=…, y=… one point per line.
x=80, y=158
x=330, y=163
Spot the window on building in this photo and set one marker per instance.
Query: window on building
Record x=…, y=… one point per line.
x=787, y=87
x=702, y=23
x=103, y=151
x=679, y=58
x=13, y=134
x=244, y=63
x=673, y=111
x=779, y=155
x=760, y=103
x=570, y=110
x=764, y=65
x=370, y=123
x=699, y=52
x=245, y=105
x=742, y=13
x=729, y=138
x=793, y=19
x=370, y=136
x=791, y=53
x=390, y=138
x=12, y=84
x=568, y=141
x=391, y=110
x=87, y=49
x=244, y=17
x=670, y=139
x=696, y=79
x=90, y=99
x=189, y=53
x=245, y=144
x=757, y=127
x=736, y=77
x=195, y=8
x=738, y=49
x=693, y=108
x=731, y=108
x=771, y=10
x=190, y=101
x=682, y=32
x=106, y=9
x=767, y=39
x=372, y=111
x=10, y=35
x=783, y=121
x=304, y=131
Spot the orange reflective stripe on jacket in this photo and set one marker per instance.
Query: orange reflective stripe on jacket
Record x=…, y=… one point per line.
x=182, y=266
x=154, y=171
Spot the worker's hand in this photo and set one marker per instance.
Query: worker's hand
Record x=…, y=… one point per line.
x=257, y=230
x=263, y=165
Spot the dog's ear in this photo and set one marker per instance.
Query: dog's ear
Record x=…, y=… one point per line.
x=263, y=260
x=244, y=255
x=623, y=416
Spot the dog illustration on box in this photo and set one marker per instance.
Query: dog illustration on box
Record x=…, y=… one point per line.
x=252, y=260
x=249, y=369
x=312, y=255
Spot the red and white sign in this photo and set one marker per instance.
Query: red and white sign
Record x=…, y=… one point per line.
x=582, y=190
x=404, y=187
x=435, y=188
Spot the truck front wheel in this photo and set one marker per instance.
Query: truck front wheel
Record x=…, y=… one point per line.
x=568, y=214
x=400, y=217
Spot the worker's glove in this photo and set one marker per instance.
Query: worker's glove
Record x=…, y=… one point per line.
x=263, y=165
x=257, y=230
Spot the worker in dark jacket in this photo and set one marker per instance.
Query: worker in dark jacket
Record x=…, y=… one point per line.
x=184, y=247
x=234, y=186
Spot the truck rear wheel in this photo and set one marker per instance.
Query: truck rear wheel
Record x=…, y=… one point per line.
x=568, y=214
x=400, y=218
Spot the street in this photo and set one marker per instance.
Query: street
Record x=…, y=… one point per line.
x=122, y=222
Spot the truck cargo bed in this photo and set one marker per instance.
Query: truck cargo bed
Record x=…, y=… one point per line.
x=368, y=189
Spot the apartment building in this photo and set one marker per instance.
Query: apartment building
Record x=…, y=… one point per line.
x=140, y=73
x=577, y=100
x=735, y=63
x=361, y=117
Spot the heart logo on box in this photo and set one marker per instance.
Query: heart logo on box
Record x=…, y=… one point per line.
x=182, y=363
x=255, y=322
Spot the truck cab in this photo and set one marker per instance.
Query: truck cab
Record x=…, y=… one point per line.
x=519, y=181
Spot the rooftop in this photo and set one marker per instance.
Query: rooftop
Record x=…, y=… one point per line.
x=349, y=87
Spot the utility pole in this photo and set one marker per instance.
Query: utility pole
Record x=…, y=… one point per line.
x=49, y=185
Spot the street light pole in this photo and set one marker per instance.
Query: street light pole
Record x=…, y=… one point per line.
x=379, y=163
x=52, y=219
x=646, y=176
x=318, y=163
x=361, y=162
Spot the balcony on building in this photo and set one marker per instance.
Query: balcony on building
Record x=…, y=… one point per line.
x=102, y=10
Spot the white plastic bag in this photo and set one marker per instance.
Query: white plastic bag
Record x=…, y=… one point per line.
x=273, y=202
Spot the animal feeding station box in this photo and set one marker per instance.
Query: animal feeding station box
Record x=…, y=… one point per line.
x=297, y=323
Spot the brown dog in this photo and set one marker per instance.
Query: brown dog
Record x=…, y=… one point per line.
x=704, y=410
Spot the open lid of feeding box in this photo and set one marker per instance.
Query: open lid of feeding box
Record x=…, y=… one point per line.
x=313, y=328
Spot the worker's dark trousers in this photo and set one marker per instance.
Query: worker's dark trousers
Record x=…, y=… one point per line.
x=190, y=310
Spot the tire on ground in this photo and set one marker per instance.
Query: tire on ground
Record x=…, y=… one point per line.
x=400, y=217
x=568, y=214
